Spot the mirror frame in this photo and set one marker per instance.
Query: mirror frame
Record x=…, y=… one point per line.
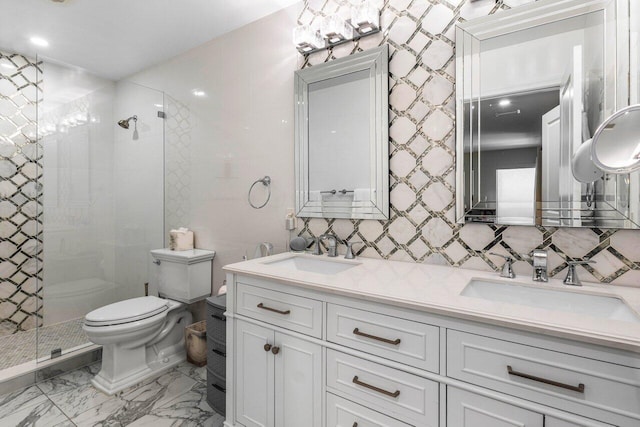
x=376, y=62
x=471, y=33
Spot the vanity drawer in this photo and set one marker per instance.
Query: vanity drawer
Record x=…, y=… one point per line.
x=397, y=393
x=345, y=413
x=293, y=312
x=404, y=341
x=548, y=377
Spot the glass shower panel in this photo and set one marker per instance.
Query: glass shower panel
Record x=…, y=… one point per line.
x=76, y=133
x=100, y=198
x=20, y=233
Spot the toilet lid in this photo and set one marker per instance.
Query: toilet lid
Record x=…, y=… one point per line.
x=126, y=311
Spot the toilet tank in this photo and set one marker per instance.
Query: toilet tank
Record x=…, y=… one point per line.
x=183, y=276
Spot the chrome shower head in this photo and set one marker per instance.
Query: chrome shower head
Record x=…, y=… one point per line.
x=125, y=123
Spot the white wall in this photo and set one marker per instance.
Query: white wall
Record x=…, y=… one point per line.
x=241, y=130
x=138, y=167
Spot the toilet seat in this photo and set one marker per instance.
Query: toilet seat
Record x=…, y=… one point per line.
x=126, y=311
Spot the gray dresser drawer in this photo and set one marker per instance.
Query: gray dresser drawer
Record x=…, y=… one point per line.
x=216, y=324
x=216, y=392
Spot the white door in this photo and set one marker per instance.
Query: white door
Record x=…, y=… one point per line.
x=466, y=409
x=298, y=385
x=571, y=108
x=551, y=166
x=255, y=375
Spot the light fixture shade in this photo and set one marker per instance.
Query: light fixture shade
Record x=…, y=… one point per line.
x=365, y=17
x=307, y=39
x=335, y=29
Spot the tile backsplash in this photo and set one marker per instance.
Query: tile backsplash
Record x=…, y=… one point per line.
x=422, y=227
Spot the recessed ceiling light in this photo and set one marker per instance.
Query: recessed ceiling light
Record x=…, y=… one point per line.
x=504, y=102
x=39, y=41
x=198, y=92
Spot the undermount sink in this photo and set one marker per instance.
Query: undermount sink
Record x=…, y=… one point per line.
x=604, y=307
x=313, y=265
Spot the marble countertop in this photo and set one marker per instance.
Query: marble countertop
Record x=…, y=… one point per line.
x=436, y=289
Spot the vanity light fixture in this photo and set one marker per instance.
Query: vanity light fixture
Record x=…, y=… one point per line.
x=504, y=102
x=365, y=18
x=307, y=39
x=334, y=30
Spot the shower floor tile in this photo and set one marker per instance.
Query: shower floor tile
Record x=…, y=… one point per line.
x=177, y=397
x=21, y=347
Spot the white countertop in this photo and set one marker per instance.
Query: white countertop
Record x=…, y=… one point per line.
x=436, y=289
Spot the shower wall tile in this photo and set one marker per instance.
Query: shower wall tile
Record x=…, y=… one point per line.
x=422, y=226
x=20, y=188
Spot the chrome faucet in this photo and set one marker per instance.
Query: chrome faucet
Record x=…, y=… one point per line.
x=349, y=254
x=318, y=247
x=572, y=278
x=332, y=251
x=507, y=268
x=540, y=273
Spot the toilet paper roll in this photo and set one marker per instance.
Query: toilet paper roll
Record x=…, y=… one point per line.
x=181, y=239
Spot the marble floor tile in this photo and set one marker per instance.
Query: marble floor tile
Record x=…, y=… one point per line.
x=159, y=391
x=21, y=399
x=195, y=372
x=175, y=398
x=188, y=409
x=45, y=414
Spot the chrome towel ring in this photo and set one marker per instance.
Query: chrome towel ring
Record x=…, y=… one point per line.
x=266, y=181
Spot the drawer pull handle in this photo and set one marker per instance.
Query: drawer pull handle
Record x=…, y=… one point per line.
x=374, y=388
x=264, y=307
x=579, y=388
x=219, y=388
x=219, y=353
x=356, y=331
x=218, y=317
x=275, y=350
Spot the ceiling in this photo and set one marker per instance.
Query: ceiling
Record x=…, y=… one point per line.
x=116, y=38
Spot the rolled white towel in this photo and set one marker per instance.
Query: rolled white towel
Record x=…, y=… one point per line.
x=181, y=239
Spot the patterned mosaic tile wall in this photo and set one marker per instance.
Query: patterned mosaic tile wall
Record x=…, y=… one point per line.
x=20, y=205
x=177, y=199
x=422, y=227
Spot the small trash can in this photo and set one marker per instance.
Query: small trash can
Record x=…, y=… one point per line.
x=195, y=336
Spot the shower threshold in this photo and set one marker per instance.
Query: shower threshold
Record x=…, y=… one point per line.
x=18, y=351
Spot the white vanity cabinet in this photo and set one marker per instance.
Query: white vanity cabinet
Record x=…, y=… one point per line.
x=304, y=355
x=277, y=378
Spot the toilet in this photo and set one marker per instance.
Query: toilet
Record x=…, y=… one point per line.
x=142, y=337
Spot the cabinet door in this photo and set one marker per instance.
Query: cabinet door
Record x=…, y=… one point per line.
x=298, y=392
x=255, y=375
x=466, y=409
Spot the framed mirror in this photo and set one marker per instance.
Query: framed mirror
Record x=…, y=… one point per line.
x=342, y=137
x=533, y=85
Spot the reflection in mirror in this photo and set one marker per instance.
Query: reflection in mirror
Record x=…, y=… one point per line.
x=341, y=141
x=531, y=92
x=616, y=144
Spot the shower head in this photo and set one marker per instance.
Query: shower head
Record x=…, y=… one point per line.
x=125, y=123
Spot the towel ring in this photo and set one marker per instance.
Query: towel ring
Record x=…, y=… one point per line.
x=266, y=181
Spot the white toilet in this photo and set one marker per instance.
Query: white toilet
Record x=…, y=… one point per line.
x=144, y=336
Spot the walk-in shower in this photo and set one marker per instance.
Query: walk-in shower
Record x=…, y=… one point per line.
x=80, y=207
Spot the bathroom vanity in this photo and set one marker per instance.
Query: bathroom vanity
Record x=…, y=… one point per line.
x=317, y=341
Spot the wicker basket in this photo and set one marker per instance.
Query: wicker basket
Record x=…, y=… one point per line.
x=195, y=337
